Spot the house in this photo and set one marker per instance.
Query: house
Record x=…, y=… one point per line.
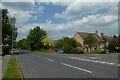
x=80, y=36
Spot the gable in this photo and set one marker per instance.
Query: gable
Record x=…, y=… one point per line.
x=78, y=38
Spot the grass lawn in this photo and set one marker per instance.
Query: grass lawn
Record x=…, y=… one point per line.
x=43, y=51
x=13, y=70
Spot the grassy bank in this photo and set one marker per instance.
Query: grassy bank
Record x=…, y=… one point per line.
x=13, y=70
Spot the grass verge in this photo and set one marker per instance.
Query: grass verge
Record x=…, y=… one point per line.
x=13, y=70
x=0, y=50
x=43, y=51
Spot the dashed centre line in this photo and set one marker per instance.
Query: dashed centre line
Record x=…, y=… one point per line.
x=68, y=65
x=49, y=59
x=77, y=68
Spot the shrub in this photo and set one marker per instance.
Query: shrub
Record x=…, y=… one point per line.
x=78, y=50
x=99, y=51
x=67, y=48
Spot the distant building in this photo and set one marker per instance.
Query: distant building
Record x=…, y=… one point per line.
x=80, y=36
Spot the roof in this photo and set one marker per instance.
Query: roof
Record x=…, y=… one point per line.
x=84, y=34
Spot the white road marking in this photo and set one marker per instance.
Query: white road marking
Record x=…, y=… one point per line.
x=35, y=55
x=49, y=59
x=40, y=56
x=118, y=64
x=76, y=68
x=102, y=62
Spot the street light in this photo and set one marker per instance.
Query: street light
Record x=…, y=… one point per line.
x=13, y=31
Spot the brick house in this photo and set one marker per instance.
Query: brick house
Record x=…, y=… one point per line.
x=80, y=36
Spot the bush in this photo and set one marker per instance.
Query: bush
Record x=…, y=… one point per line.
x=111, y=48
x=99, y=51
x=67, y=48
x=78, y=50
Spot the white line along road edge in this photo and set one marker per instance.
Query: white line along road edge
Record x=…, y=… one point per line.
x=76, y=68
x=102, y=62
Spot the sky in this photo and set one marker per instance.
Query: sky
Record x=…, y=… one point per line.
x=61, y=19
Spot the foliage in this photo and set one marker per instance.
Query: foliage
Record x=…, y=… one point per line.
x=47, y=42
x=67, y=48
x=90, y=41
x=13, y=70
x=23, y=44
x=8, y=27
x=5, y=49
x=78, y=50
x=34, y=41
x=36, y=37
x=0, y=48
x=113, y=43
x=67, y=44
x=99, y=51
x=65, y=41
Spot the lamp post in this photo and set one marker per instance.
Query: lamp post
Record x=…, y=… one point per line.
x=13, y=31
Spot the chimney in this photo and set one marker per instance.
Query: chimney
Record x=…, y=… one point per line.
x=102, y=36
x=96, y=32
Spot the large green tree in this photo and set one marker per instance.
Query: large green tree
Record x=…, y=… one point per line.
x=36, y=37
x=90, y=41
x=9, y=31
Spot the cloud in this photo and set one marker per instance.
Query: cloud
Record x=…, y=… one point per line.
x=48, y=21
x=40, y=9
x=23, y=11
x=18, y=5
x=18, y=1
x=79, y=9
x=61, y=3
x=83, y=17
x=91, y=23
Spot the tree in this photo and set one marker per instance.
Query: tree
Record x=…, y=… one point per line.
x=67, y=44
x=23, y=44
x=90, y=41
x=67, y=48
x=47, y=42
x=8, y=27
x=65, y=41
x=36, y=37
x=114, y=42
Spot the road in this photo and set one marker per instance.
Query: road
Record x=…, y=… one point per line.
x=0, y=67
x=55, y=66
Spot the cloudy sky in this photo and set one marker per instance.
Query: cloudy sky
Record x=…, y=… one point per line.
x=61, y=19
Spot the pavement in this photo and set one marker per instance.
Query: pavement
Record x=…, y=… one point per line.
x=58, y=66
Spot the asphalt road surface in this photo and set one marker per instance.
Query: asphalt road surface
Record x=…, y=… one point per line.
x=55, y=66
x=0, y=67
